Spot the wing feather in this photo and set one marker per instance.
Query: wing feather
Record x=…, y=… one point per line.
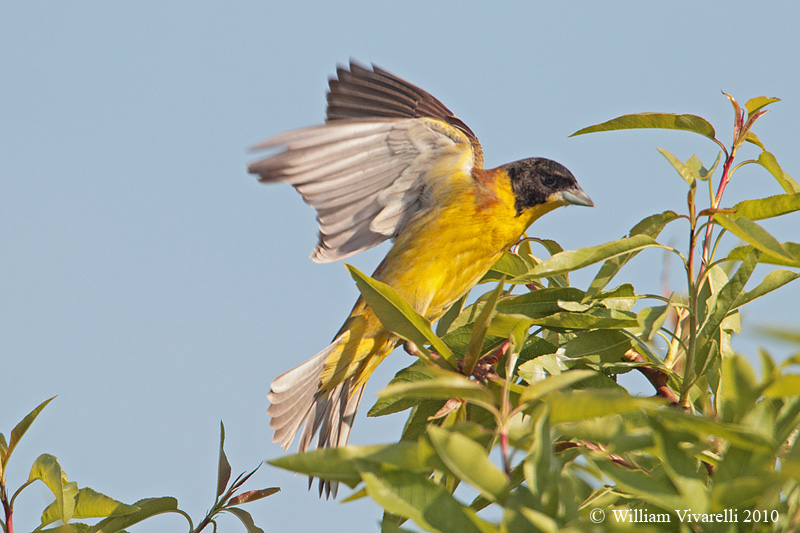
x=365, y=171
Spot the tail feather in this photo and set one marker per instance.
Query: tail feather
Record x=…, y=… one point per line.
x=335, y=412
x=296, y=401
x=292, y=397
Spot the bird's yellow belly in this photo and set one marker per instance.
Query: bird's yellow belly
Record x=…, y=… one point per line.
x=440, y=256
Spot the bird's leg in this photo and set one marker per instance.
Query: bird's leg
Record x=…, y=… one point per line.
x=484, y=368
x=411, y=349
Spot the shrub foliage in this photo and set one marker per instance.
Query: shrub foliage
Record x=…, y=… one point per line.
x=516, y=420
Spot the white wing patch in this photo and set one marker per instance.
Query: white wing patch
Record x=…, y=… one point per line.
x=365, y=177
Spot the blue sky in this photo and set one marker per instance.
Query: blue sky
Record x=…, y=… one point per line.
x=151, y=283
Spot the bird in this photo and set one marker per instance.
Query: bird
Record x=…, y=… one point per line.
x=392, y=162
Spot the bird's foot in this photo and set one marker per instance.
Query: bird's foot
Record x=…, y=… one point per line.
x=485, y=366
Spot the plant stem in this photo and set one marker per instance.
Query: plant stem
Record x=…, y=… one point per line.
x=8, y=510
x=202, y=525
x=688, y=371
x=656, y=377
x=505, y=407
x=717, y=200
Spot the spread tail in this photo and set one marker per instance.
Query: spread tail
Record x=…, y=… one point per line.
x=296, y=401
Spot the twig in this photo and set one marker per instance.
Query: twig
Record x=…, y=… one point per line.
x=560, y=446
x=8, y=510
x=655, y=376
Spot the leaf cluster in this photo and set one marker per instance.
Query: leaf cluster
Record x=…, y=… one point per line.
x=516, y=421
x=72, y=504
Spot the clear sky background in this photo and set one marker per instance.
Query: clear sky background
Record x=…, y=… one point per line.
x=156, y=288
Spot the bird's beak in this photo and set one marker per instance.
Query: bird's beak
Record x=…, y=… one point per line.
x=576, y=196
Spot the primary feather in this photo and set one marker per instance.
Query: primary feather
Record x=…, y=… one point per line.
x=365, y=177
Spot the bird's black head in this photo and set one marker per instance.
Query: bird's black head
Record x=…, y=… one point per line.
x=538, y=181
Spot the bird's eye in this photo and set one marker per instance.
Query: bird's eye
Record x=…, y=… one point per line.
x=548, y=180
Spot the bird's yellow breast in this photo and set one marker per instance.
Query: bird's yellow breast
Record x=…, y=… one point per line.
x=444, y=252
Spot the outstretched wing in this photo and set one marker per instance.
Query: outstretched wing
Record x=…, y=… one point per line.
x=364, y=93
x=366, y=170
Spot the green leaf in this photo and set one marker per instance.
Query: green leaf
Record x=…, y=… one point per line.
x=774, y=206
x=540, y=468
x=541, y=365
x=46, y=469
x=444, y=323
x=75, y=527
x=479, y=328
x=53, y=512
x=653, y=224
x=430, y=505
x=784, y=385
x=669, y=121
x=333, y=464
x=738, y=390
x=391, y=523
x=772, y=281
x=550, y=245
x=510, y=265
x=654, y=488
x=650, y=226
x=597, y=318
x=754, y=234
x=703, y=427
x=443, y=387
x=92, y=504
x=540, y=521
x=716, y=278
x=752, y=138
x=519, y=335
x=737, y=112
x=746, y=491
x=19, y=430
x=224, y=467
x=544, y=387
x=245, y=518
x=793, y=248
x=345, y=464
x=253, y=495
x=387, y=404
x=727, y=295
x=582, y=257
x=768, y=161
x=605, y=431
x=579, y=405
x=681, y=468
x=597, y=346
x=508, y=326
x=651, y=319
x=398, y=316
x=698, y=169
x=755, y=104
x=469, y=462
x=148, y=508
x=684, y=170
x=420, y=418
x=539, y=303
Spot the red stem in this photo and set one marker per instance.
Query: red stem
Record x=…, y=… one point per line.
x=657, y=378
x=718, y=200
x=9, y=516
x=504, y=451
